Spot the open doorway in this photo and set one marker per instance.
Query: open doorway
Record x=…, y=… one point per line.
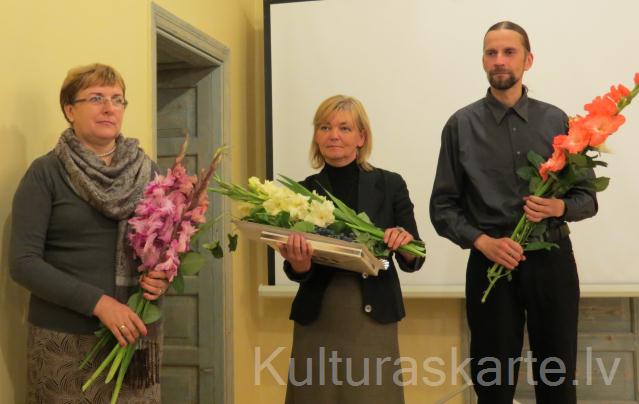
x=191, y=97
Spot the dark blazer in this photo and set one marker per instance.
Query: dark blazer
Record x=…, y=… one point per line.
x=384, y=197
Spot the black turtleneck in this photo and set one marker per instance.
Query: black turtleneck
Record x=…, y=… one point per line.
x=344, y=182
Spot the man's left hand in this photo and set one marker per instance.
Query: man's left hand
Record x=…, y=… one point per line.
x=538, y=208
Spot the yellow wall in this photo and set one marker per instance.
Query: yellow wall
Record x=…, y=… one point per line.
x=40, y=41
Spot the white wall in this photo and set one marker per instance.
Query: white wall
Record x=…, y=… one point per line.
x=414, y=62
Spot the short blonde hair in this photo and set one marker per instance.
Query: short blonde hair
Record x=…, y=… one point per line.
x=82, y=77
x=343, y=103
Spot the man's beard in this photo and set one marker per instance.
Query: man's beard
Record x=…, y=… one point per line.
x=502, y=83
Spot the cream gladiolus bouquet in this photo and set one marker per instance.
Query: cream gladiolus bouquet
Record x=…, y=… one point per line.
x=291, y=206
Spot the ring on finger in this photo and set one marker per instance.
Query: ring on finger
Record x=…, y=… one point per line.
x=122, y=327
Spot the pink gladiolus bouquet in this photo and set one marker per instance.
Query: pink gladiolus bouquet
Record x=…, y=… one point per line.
x=574, y=156
x=166, y=221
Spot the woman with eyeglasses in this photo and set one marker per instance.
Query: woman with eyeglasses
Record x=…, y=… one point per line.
x=69, y=247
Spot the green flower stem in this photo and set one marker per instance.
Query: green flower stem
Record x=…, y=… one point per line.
x=378, y=234
x=347, y=215
x=101, y=368
x=625, y=101
x=520, y=235
x=128, y=355
x=102, y=341
x=141, y=307
x=412, y=251
x=124, y=356
x=102, y=332
x=119, y=358
x=115, y=364
x=375, y=232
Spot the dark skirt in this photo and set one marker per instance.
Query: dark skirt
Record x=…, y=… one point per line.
x=344, y=356
x=54, y=376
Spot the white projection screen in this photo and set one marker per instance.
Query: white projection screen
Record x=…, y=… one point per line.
x=413, y=63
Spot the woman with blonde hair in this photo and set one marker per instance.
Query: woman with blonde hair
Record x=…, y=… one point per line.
x=345, y=347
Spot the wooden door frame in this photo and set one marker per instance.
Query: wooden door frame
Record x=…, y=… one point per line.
x=168, y=25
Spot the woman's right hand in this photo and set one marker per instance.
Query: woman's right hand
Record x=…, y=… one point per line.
x=298, y=252
x=120, y=319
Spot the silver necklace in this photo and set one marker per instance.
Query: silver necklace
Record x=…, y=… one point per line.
x=110, y=152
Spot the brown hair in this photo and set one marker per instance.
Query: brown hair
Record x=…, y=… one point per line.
x=343, y=103
x=81, y=77
x=513, y=27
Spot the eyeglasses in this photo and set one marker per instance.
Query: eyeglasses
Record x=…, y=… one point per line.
x=117, y=101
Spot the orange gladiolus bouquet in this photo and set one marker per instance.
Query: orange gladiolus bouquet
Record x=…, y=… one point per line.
x=574, y=155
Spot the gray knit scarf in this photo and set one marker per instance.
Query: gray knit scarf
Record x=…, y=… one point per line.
x=114, y=190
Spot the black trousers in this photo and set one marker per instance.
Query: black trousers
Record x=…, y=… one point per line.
x=544, y=293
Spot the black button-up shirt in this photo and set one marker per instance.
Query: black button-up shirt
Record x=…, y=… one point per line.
x=476, y=187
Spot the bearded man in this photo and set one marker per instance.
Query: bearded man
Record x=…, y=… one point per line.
x=476, y=201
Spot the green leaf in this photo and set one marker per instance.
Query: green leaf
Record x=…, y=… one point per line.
x=296, y=187
x=338, y=227
x=304, y=227
x=527, y=172
x=134, y=300
x=202, y=229
x=215, y=249
x=534, y=183
x=535, y=159
x=191, y=263
x=582, y=173
x=538, y=229
x=261, y=217
x=600, y=163
x=569, y=174
x=578, y=160
x=590, y=161
x=232, y=242
x=601, y=183
x=178, y=283
x=151, y=313
x=540, y=245
x=364, y=217
x=378, y=248
x=258, y=209
x=362, y=237
x=595, y=184
x=281, y=219
x=349, y=214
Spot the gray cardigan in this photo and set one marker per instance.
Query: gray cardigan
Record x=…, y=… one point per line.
x=62, y=250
